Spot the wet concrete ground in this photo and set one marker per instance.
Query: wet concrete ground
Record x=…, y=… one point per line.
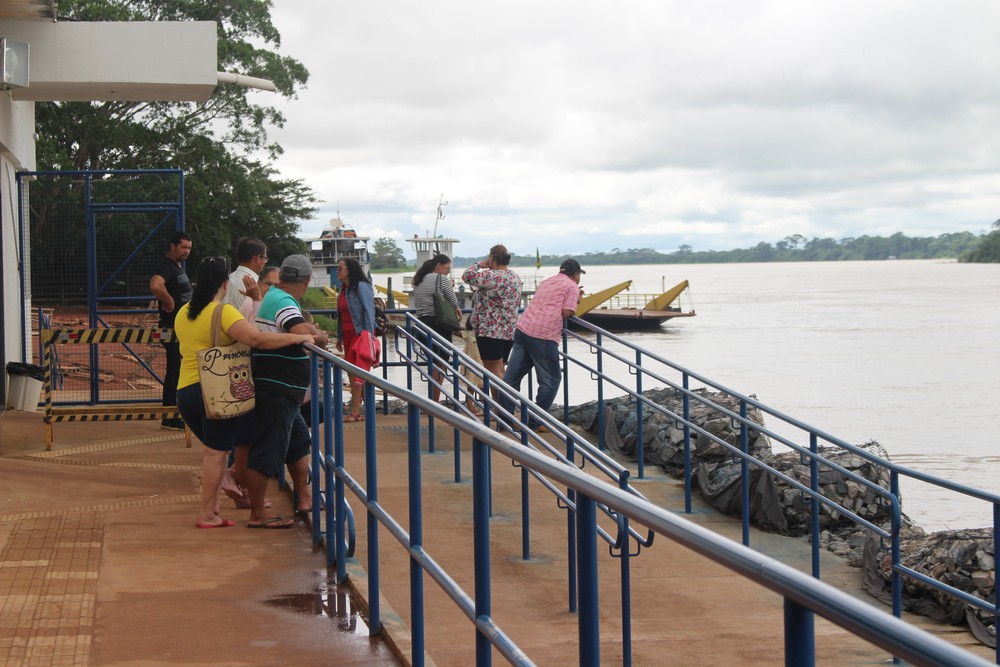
x=100, y=564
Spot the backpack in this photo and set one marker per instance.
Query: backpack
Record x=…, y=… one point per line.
x=381, y=321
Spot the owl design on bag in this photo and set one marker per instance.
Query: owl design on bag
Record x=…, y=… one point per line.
x=240, y=385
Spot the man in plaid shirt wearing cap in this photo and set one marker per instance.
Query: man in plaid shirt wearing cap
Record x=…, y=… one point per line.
x=536, y=339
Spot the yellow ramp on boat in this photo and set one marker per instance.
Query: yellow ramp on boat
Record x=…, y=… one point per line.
x=398, y=297
x=329, y=297
x=591, y=301
x=663, y=301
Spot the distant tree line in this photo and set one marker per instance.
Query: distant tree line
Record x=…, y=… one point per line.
x=965, y=246
x=988, y=250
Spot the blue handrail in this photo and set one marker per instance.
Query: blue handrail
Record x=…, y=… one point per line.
x=802, y=594
x=641, y=363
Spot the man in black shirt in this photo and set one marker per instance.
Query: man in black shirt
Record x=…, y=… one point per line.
x=172, y=289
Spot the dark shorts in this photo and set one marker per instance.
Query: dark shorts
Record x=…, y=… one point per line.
x=443, y=352
x=281, y=435
x=492, y=349
x=245, y=427
x=217, y=434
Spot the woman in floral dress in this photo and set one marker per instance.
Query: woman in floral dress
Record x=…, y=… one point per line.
x=494, y=311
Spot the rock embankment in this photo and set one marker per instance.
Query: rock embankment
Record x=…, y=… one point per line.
x=963, y=559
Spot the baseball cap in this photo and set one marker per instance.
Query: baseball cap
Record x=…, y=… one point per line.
x=296, y=266
x=570, y=267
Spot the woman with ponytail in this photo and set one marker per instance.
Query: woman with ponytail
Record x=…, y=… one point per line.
x=192, y=328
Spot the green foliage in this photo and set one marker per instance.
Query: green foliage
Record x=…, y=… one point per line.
x=314, y=299
x=229, y=191
x=325, y=323
x=386, y=254
x=988, y=250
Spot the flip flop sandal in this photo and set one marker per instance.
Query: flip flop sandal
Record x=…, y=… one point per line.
x=350, y=419
x=275, y=522
x=226, y=523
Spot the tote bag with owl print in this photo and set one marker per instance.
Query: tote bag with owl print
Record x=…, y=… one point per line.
x=224, y=373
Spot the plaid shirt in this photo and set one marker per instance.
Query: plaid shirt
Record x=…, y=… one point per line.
x=543, y=316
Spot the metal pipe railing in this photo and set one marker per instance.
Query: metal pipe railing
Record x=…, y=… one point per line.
x=803, y=594
x=648, y=365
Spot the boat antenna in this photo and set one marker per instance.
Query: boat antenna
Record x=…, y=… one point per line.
x=440, y=214
x=440, y=217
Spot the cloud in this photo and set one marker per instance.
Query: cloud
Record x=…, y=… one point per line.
x=572, y=126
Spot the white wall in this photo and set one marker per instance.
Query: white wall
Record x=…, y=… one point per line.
x=17, y=151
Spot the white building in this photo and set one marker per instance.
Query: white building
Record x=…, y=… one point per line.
x=78, y=61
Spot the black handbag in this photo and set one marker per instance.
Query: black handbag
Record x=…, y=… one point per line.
x=444, y=312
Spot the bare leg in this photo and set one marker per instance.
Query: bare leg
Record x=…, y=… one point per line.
x=213, y=467
x=240, y=455
x=494, y=366
x=299, y=472
x=355, y=397
x=438, y=378
x=257, y=486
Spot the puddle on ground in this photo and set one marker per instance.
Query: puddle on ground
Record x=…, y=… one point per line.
x=332, y=601
x=335, y=603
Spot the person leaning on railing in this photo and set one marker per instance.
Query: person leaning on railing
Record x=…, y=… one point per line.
x=193, y=330
x=536, y=341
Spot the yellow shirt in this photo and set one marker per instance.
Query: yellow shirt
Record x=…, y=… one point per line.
x=196, y=335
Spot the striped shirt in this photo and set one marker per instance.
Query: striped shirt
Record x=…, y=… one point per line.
x=284, y=371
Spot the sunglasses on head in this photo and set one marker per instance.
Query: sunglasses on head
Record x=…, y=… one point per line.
x=223, y=260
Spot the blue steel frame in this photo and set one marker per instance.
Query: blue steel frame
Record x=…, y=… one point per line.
x=172, y=210
x=803, y=595
x=649, y=365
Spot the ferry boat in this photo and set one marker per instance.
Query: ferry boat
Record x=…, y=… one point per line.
x=337, y=241
x=624, y=312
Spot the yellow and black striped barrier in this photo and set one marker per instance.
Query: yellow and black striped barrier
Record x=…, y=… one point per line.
x=100, y=412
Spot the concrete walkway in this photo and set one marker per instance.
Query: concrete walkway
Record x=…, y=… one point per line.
x=100, y=564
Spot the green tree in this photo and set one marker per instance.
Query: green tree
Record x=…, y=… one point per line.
x=386, y=254
x=988, y=250
x=230, y=190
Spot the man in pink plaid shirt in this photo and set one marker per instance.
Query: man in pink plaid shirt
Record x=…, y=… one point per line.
x=539, y=330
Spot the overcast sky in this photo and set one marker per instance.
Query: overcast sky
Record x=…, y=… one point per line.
x=587, y=126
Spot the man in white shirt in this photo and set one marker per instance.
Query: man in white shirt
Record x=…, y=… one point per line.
x=251, y=257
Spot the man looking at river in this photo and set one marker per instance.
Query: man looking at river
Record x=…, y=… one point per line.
x=539, y=329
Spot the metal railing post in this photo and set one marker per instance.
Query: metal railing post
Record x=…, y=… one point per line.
x=744, y=474
x=315, y=462
x=571, y=535
x=686, y=400
x=814, y=502
x=639, y=406
x=589, y=614
x=416, y=537
x=996, y=550
x=800, y=641
x=601, y=444
x=335, y=416
x=525, y=516
x=371, y=484
x=481, y=546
